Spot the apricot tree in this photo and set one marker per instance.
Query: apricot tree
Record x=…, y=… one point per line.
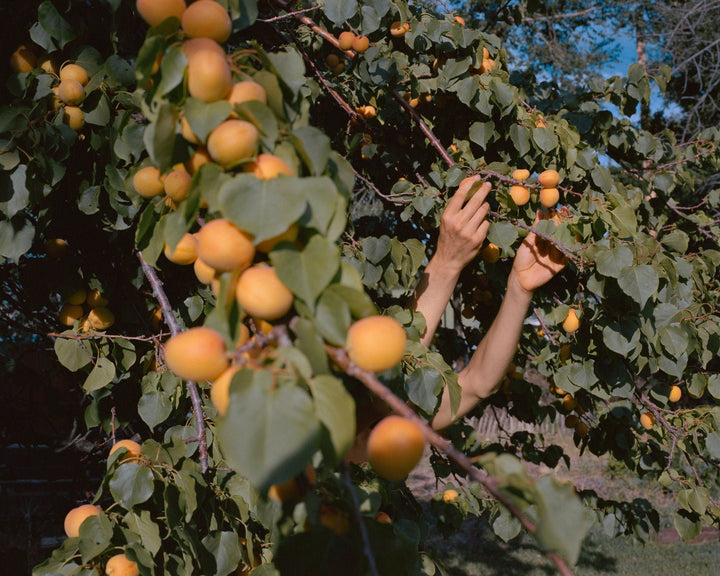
x=249, y=155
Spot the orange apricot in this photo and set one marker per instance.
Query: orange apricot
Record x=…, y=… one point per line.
x=224, y=247
x=376, y=343
x=156, y=11
x=206, y=19
x=233, y=141
x=197, y=354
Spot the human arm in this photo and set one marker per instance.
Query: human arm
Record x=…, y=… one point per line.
x=536, y=262
x=462, y=231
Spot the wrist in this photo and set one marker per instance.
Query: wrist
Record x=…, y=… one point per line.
x=445, y=268
x=517, y=290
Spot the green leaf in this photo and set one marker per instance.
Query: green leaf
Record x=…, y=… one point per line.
x=520, y=137
x=624, y=221
x=563, y=520
x=583, y=375
x=159, y=137
x=269, y=433
x=142, y=524
x=506, y=526
x=72, y=353
x=340, y=10
x=687, y=525
x=375, y=249
x=309, y=271
x=713, y=386
x=602, y=178
x=100, y=376
x=712, y=444
x=264, y=208
x=55, y=25
x=204, y=118
x=225, y=548
x=172, y=70
x=423, y=386
x=14, y=195
x=311, y=345
x=262, y=117
x=335, y=408
x=482, y=132
x=154, y=408
x=674, y=340
x=131, y=484
x=545, y=139
x=622, y=338
x=313, y=146
x=15, y=239
x=610, y=262
x=639, y=282
x=502, y=234
x=333, y=317
x=95, y=535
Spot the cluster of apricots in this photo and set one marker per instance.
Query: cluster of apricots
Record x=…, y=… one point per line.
x=548, y=180
x=68, y=92
x=569, y=404
x=118, y=564
x=350, y=41
x=88, y=308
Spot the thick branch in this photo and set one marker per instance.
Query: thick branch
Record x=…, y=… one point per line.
x=488, y=482
x=175, y=329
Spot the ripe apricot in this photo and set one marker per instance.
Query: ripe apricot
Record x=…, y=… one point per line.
x=289, y=235
x=540, y=122
x=220, y=390
x=571, y=421
x=148, y=182
x=74, y=118
x=100, y=318
x=675, y=393
x=74, y=72
x=261, y=294
x=569, y=402
x=346, y=40
x=95, y=299
x=77, y=516
x=208, y=77
x=246, y=91
x=71, y=92
x=134, y=451
x=395, y=446
x=187, y=132
x=267, y=166
x=77, y=296
x=360, y=44
x=376, y=343
x=399, y=29
x=368, y=112
x=197, y=354
x=206, y=19
x=203, y=272
x=460, y=20
x=488, y=64
x=184, y=252
x=647, y=419
x=581, y=429
x=294, y=489
x=199, y=157
x=520, y=194
x=224, y=247
x=521, y=174
x=121, y=565
x=339, y=68
x=156, y=319
x=233, y=141
x=549, y=197
x=23, y=59
x=571, y=322
x=490, y=253
x=56, y=247
x=450, y=495
x=383, y=517
x=70, y=313
x=549, y=179
x=332, y=60
x=177, y=185
x=156, y=11
x=564, y=353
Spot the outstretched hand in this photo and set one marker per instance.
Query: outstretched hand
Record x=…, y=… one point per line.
x=463, y=226
x=537, y=261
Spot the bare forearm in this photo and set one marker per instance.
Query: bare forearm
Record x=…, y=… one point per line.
x=480, y=378
x=433, y=294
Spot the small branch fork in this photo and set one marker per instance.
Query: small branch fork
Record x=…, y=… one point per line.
x=173, y=324
x=488, y=482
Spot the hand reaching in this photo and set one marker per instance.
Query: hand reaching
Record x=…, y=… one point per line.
x=463, y=228
x=537, y=261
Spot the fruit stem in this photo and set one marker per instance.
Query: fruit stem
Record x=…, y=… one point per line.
x=175, y=329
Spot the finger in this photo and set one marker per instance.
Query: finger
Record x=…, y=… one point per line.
x=481, y=233
x=470, y=186
x=477, y=198
x=456, y=201
x=479, y=216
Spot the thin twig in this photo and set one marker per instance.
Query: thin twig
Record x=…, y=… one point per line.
x=359, y=518
x=175, y=329
x=490, y=483
x=288, y=15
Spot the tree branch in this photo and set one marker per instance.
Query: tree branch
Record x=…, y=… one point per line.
x=175, y=329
